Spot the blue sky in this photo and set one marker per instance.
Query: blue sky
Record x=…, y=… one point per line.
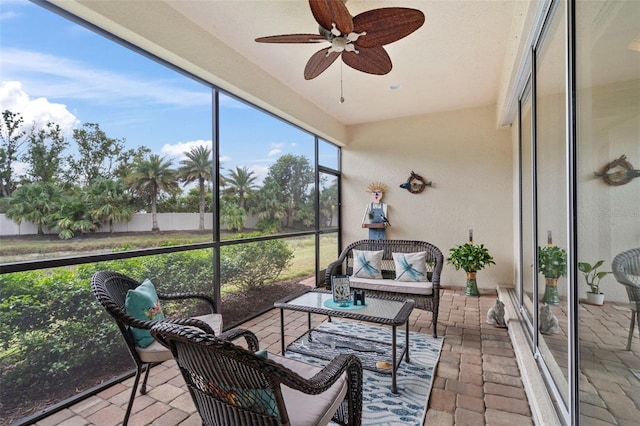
x=52, y=69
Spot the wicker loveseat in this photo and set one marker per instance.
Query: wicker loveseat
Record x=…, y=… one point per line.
x=425, y=294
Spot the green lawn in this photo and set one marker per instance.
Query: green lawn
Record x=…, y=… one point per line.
x=33, y=247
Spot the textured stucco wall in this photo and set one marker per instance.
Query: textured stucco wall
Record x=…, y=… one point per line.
x=470, y=163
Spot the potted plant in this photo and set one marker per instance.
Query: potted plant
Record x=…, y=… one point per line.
x=471, y=258
x=593, y=277
x=552, y=263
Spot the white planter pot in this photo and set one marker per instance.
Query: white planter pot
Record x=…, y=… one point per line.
x=595, y=298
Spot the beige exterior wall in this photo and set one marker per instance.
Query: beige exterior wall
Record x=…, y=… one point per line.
x=470, y=163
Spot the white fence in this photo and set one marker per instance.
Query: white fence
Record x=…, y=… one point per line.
x=139, y=223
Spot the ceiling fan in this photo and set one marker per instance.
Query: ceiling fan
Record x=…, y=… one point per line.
x=357, y=39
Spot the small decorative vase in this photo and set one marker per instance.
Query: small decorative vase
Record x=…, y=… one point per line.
x=595, y=298
x=551, y=292
x=472, y=285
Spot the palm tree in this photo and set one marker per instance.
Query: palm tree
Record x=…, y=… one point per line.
x=36, y=203
x=197, y=167
x=270, y=209
x=241, y=183
x=72, y=216
x=233, y=216
x=108, y=202
x=152, y=176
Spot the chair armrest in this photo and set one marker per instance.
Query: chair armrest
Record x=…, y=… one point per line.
x=326, y=377
x=131, y=321
x=192, y=322
x=185, y=296
x=334, y=268
x=236, y=333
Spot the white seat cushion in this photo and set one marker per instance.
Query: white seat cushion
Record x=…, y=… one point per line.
x=408, y=287
x=304, y=409
x=155, y=352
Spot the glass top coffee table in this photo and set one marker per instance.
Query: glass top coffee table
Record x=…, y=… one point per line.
x=326, y=345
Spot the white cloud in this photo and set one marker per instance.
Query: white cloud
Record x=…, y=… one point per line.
x=5, y=16
x=19, y=168
x=275, y=150
x=39, y=110
x=61, y=77
x=178, y=150
x=260, y=171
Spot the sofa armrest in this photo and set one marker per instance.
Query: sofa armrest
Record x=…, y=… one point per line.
x=334, y=268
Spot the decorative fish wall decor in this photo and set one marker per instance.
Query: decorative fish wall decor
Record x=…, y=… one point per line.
x=618, y=172
x=415, y=184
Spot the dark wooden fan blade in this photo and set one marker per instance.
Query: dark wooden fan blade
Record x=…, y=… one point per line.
x=374, y=60
x=292, y=38
x=386, y=25
x=318, y=63
x=327, y=12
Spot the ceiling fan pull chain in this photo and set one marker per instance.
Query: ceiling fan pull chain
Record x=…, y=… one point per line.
x=341, y=93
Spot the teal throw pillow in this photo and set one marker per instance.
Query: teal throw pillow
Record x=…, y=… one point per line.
x=367, y=264
x=142, y=303
x=410, y=267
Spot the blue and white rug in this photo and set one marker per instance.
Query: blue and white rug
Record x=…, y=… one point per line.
x=414, y=380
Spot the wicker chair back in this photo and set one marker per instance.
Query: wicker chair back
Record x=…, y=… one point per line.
x=626, y=270
x=231, y=385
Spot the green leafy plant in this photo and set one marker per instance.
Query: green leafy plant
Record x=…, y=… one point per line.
x=552, y=261
x=470, y=257
x=591, y=275
x=250, y=266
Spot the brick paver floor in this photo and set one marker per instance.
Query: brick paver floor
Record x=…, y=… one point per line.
x=477, y=380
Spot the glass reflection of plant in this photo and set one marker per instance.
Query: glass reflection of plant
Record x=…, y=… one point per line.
x=591, y=274
x=552, y=263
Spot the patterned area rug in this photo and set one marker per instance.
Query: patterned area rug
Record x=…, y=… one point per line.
x=635, y=373
x=414, y=380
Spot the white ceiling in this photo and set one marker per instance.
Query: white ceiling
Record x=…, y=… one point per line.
x=454, y=61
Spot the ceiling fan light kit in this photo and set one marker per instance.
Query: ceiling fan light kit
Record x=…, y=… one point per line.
x=359, y=40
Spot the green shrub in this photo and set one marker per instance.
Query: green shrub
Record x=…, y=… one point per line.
x=250, y=266
x=52, y=329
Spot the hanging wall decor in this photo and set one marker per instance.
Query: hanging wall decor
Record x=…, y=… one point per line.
x=415, y=184
x=618, y=172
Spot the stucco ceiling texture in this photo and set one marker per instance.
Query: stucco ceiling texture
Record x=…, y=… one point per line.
x=455, y=60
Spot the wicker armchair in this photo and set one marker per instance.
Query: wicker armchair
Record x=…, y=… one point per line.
x=110, y=288
x=231, y=385
x=428, y=302
x=626, y=270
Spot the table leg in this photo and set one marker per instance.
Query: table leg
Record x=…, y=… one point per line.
x=308, y=320
x=393, y=360
x=282, y=330
x=407, y=342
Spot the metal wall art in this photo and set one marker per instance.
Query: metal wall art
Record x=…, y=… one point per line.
x=415, y=184
x=618, y=172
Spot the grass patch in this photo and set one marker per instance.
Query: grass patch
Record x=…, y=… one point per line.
x=31, y=247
